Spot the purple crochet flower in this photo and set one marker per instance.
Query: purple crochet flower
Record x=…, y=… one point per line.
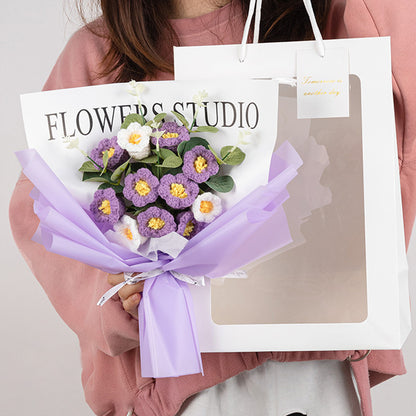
x=199, y=164
x=116, y=155
x=188, y=226
x=178, y=191
x=155, y=222
x=172, y=136
x=106, y=207
x=141, y=187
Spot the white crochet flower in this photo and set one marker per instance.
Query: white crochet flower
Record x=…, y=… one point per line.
x=243, y=137
x=206, y=207
x=71, y=142
x=136, y=140
x=128, y=233
x=136, y=88
x=199, y=98
x=155, y=125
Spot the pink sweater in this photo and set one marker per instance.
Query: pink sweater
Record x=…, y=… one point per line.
x=109, y=336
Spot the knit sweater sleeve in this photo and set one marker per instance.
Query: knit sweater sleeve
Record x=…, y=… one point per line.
x=73, y=287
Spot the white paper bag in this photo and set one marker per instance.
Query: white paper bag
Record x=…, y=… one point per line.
x=346, y=286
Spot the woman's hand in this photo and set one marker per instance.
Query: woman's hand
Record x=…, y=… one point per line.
x=130, y=295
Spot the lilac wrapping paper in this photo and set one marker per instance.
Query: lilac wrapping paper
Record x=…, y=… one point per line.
x=244, y=233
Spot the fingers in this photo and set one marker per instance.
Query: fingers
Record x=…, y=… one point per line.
x=126, y=291
x=131, y=303
x=115, y=279
x=129, y=290
x=129, y=294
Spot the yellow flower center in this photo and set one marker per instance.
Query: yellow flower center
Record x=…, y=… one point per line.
x=206, y=207
x=142, y=187
x=128, y=234
x=178, y=190
x=105, y=207
x=188, y=229
x=135, y=138
x=110, y=151
x=170, y=135
x=200, y=164
x=156, y=223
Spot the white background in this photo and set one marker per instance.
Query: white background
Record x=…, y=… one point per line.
x=39, y=358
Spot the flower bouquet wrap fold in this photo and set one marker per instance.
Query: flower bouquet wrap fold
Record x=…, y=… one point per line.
x=249, y=230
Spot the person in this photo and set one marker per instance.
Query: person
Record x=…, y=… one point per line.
x=132, y=40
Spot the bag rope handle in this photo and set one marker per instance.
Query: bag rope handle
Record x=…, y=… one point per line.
x=255, y=8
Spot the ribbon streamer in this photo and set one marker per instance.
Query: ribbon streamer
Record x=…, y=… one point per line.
x=134, y=278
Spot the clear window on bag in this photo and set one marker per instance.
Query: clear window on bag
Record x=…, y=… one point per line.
x=321, y=279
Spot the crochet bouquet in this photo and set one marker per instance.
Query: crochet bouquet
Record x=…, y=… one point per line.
x=158, y=215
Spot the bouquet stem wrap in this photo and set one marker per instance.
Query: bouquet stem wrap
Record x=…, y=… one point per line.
x=168, y=340
x=253, y=228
